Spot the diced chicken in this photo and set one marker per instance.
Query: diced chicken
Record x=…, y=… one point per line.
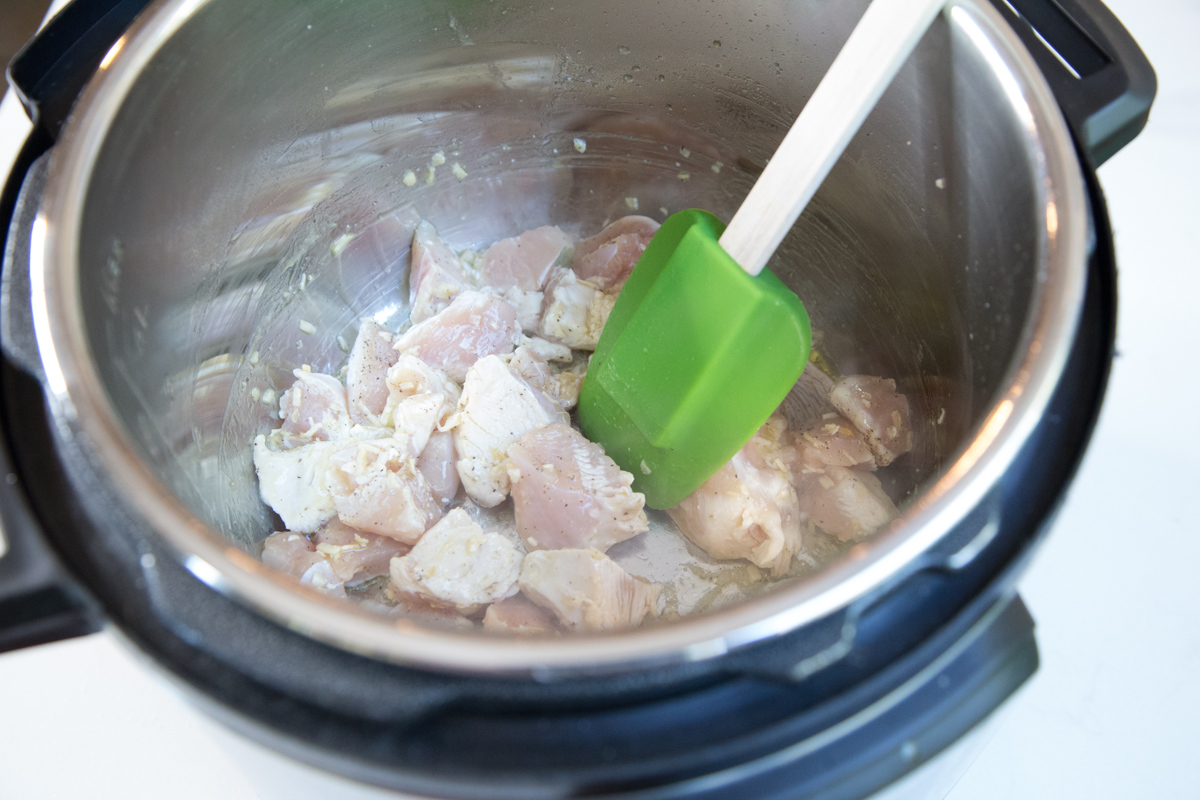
x=587, y=590
x=606, y=259
x=809, y=398
x=524, y=262
x=456, y=563
x=846, y=503
x=748, y=509
x=436, y=276
x=356, y=556
x=568, y=494
x=474, y=325
x=497, y=408
x=313, y=409
x=366, y=373
x=416, y=418
x=518, y=614
x=411, y=376
x=438, y=464
x=550, y=351
x=832, y=441
x=334, y=556
x=564, y=387
x=880, y=412
x=295, y=554
x=293, y=483
x=534, y=368
x=560, y=386
x=575, y=311
x=528, y=306
x=377, y=487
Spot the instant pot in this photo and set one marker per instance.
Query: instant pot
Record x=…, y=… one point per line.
x=202, y=174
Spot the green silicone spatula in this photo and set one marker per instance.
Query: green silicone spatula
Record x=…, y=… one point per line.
x=703, y=342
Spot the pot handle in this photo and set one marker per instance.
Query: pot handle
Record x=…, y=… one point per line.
x=1100, y=77
x=52, y=68
x=39, y=601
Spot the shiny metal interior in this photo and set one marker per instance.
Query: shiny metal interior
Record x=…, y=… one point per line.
x=235, y=168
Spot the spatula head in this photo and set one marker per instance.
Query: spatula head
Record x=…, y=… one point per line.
x=695, y=356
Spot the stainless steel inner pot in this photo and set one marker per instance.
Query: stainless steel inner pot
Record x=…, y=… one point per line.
x=234, y=168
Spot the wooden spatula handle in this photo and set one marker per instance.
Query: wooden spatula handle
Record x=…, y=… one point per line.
x=871, y=57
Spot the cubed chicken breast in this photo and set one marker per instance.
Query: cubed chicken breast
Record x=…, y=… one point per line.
x=497, y=408
x=587, y=590
x=436, y=276
x=561, y=386
x=415, y=418
x=313, y=409
x=438, y=463
x=832, y=441
x=846, y=503
x=377, y=487
x=411, y=376
x=524, y=262
x=519, y=615
x=568, y=494
x=474, y=325
x=456, y=563
x=550, y=351
x=295, y=554
x=749, y=509
x=294, y=483
x=356, y=556
x=333, y=556
x=880, y=412
x=606, y=259
x=575, y=311
x=371, y=356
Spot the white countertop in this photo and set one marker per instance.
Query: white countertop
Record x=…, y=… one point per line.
x=1114, y=711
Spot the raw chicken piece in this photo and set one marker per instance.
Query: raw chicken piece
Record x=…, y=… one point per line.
x=809, y=398
x=333, y=556
x=518, y=614
x=296, y=555
x=526, y=363
x=560, y=386
x=497, y=408
x=880, y=412
x=575, y=311
x=356, y=556
x=376, y=487
x=846, y=503
x=293, y=483
x=436, y=277
x=551, y=351
x=568, y=494
x=524, y=262
x=528, y=305
x=587, y=590
x=416, y=418
x=473, y=326
x=411, y=376
x=606, y=259
x=313, y=409
x=832, y=441
x=437, y=464
x=749, y=508
x=456, y=563
x=366, y=373
x=517, y=269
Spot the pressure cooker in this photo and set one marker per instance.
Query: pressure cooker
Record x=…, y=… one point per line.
x=196, y=170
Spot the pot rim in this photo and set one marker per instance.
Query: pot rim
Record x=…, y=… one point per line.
x=83, y=411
